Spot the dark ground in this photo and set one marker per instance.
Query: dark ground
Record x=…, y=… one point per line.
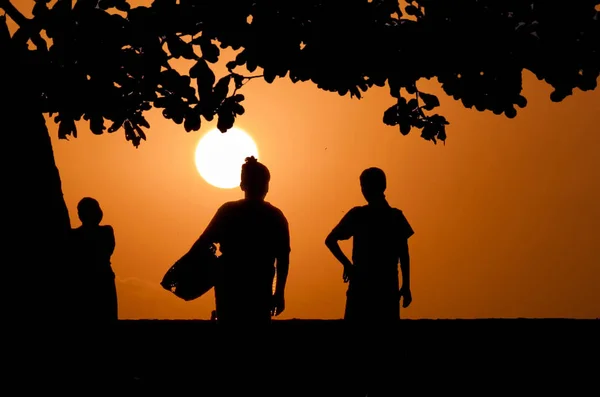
x=324, y=358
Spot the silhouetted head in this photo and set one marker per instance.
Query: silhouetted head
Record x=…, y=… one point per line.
x=255, y=178
x=89, y=211
x=373, y=184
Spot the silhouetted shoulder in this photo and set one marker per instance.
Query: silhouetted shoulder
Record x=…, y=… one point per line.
x=218, y=225
x=356, y=210
x=228, y=210
x=355, y=213
x=108, y=229
x=282, y=231
x=229, y=206
x=406, y=229
x=348, y=225
x=101, y=230
x=276, y=211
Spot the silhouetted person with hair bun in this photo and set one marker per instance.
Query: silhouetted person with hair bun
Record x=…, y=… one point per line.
x=92, y=247
x=380, y=236
x=254, y=240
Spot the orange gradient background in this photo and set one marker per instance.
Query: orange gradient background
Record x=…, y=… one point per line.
x=506, y=214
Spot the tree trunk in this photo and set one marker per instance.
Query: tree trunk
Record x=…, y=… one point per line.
x=38, y=224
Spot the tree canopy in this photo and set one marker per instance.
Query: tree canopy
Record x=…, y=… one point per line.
x=108, y=62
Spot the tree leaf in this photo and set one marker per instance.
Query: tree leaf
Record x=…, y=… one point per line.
x=179, y=48
x=405, y=126
x=66, y=128
x=210, y=52
x=390, y=116
x=204, y=76
x=222, y=88
x=192, y=120
x=413, y=10
x=122, y=5
x=430, y=101
x=238, y=80
x=97, y=125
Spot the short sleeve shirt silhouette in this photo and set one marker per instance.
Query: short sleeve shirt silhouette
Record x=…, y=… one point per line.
x=376, y=234
x=250, y=231
x=251, y=236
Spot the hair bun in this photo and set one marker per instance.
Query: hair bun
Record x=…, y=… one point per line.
x=251, y=159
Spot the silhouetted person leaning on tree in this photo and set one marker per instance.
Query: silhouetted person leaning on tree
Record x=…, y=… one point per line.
x=380, y=239
x=92, y=246
x=254, y=241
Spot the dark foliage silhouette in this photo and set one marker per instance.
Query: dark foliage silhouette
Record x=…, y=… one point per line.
x=105, y=66
x=380, y=236
x=92, y=246
x=254, y=240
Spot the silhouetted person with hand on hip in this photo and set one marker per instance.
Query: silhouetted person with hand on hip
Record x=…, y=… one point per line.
x=92, y=247
x=380, y=240
x=254, y=240
x=380, y=236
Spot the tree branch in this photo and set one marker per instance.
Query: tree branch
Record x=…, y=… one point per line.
x=247, y=80
x=13, y=13
x=28, y=28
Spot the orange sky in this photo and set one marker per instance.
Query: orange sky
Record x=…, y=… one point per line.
x=506, y=214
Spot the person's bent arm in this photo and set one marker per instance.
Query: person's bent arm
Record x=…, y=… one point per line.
x=332, y=242
x=343, y=231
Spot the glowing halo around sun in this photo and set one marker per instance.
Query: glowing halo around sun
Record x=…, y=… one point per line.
x=219, y=156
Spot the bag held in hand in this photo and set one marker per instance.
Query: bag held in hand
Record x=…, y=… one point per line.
x=193, y=274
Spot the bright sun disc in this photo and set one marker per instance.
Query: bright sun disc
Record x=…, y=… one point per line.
x=220, y=156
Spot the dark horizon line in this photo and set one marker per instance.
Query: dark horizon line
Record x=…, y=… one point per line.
x=404, y=319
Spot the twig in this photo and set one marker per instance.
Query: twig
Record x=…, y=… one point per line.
x=247, y=78
x=28, y=28
x=13, y=13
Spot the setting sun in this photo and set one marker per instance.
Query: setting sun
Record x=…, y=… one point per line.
x=219, y=156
